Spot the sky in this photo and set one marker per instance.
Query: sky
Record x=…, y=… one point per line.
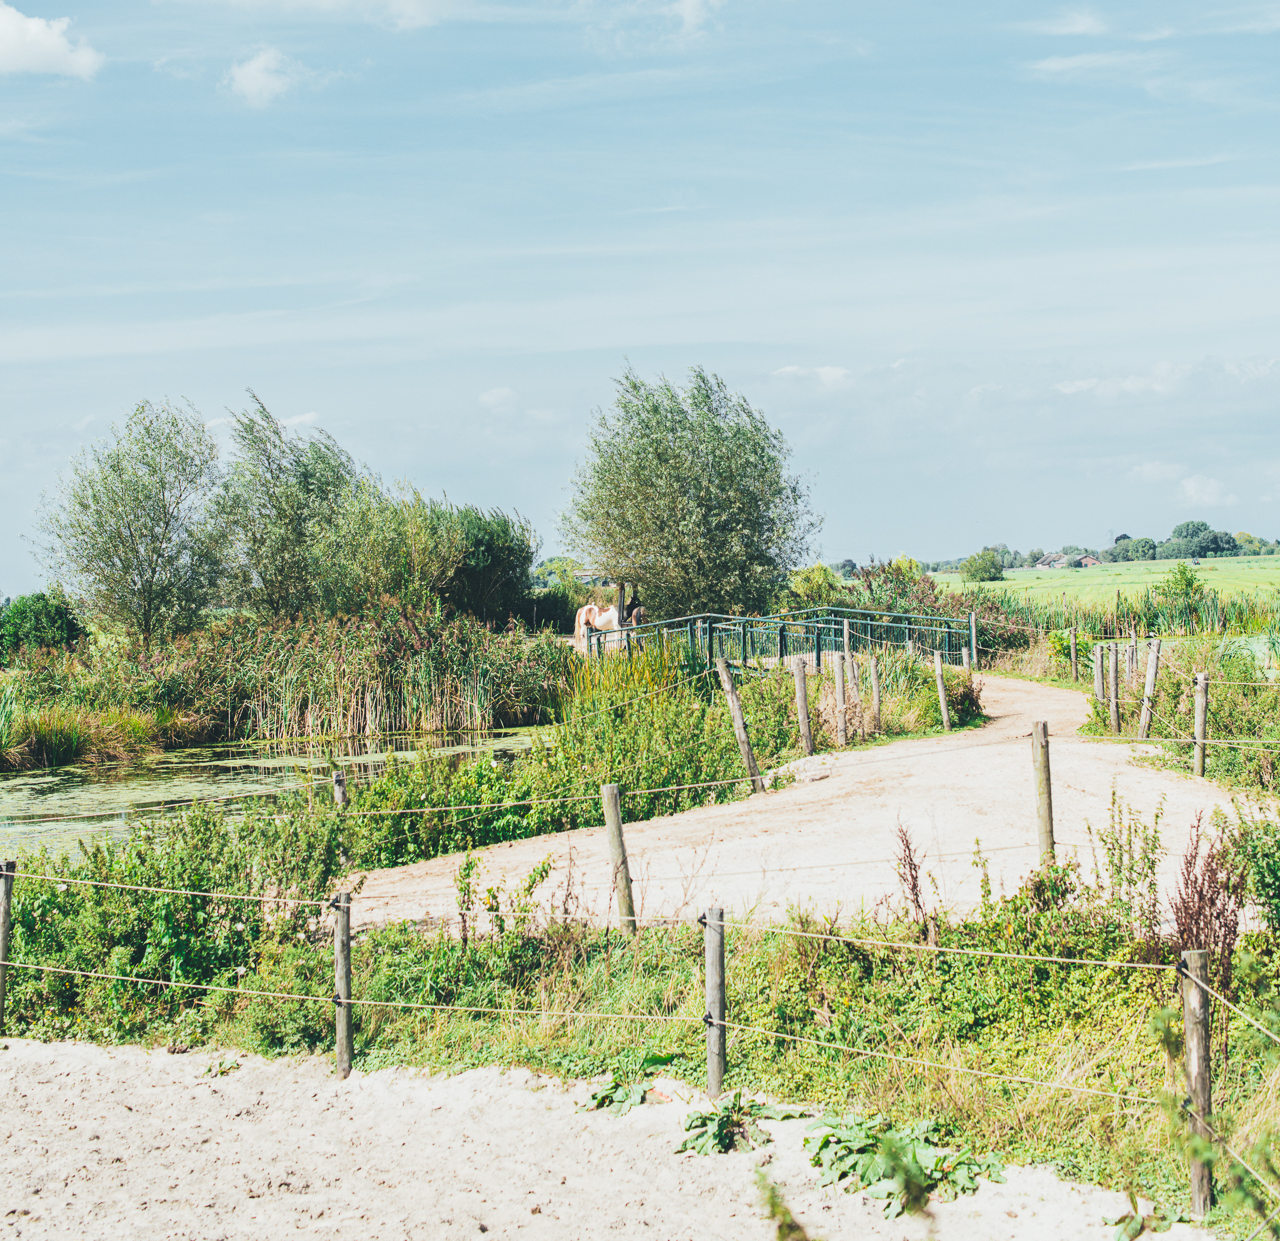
x=1000, y=272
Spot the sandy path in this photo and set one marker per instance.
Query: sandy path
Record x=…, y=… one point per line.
x=116, y=1142
x=830, y=843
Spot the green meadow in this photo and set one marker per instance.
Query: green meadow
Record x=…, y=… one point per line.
x=1235, y=575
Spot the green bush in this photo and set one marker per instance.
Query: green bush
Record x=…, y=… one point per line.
x=36, y=621
x=984, y=566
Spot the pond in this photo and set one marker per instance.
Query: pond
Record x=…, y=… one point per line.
x=56, y=807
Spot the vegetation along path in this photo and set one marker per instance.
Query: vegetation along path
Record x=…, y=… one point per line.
x=830, y=840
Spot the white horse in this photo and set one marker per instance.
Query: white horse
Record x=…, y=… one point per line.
x=593, y=617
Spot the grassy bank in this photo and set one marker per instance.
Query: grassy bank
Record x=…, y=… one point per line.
x=656, y=722
x=1100, y=1029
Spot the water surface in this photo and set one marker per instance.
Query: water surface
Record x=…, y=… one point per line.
x=56, y=807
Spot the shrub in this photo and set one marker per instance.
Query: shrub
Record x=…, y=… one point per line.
x=35, y=621
x=983, y=566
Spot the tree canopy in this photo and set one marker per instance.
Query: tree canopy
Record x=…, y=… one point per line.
x=686, y=493
x=130, y=527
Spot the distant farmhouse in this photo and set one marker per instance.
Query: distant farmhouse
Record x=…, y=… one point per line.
x=1060, y=560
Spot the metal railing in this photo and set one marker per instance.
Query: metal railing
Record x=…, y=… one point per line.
x=815, y=633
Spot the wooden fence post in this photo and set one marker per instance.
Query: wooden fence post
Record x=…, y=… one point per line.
x=739, y=725
x=942, y=691
x=6, y=921
x=618, y=852
x=1075, y=657
x=1114, y=653
x=1133, y=651
x=1149, y=690
x=973, y=639
x=1044, y=789
x=342, y=981
x=1202, y=720
x=848, y=654
x=1099, y=683
x=713, y=938
x=1197, y=1014
x=802, y=704
x=340, y=789
x=842, y=721
x=874, y=668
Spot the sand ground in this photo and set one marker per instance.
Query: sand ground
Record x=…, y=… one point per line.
x=829, y=841
x=100, y=1142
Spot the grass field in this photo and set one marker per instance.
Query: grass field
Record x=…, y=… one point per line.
x=1236, y=575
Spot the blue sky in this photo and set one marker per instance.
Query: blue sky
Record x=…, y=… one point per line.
x=1000, y=272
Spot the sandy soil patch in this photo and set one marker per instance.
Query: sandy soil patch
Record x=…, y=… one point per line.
x=830, y=843
x=118, y=1142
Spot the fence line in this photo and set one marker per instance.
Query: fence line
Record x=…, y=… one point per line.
x=137, y=887
x=933, y=1064
x=972, y=952
x=1222, y=999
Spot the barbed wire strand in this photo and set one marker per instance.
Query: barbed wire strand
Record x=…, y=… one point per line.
x=1222, y=999
x=328, y=999
x=971, y=952
x=933, y=1064
x=138, y=887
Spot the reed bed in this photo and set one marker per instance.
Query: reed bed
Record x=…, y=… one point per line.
x=390, y=670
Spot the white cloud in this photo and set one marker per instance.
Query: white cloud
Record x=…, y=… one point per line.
x=693, y=14
x=1097, y=62
x=263, y=77
x=497, y=396
x=40, y=45
x=827, y=376
x=1199, y=489
x=300, y=420
x=1076, y=385
x=1156, y=165
x=1157, y=472
x=1078, y=21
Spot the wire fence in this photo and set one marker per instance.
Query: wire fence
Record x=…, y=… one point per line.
x=715, y=1019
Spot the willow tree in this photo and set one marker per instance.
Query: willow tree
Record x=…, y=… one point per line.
x=130, y=528
x=686, y=493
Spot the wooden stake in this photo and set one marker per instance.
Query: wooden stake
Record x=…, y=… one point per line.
x=1197, y=1014
x=1202, y=721
x=942, y=691
x=1044, y=789
x=340, y=789
x=1099, y=682
x=875, y=693
x=964, y=657
x=1075, y=657
x=713, y=938
x=842, y=722
x=802, y=704
x=342, y=981
x=848, y=654
x=618, y=852
x=739, y=725
x=1114, y=652
x=973, y=639
x=1149, y=690
x=6, y=921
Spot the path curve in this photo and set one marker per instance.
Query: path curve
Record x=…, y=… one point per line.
x=829, y=841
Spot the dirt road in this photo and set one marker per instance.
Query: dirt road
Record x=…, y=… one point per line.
x=829, y=841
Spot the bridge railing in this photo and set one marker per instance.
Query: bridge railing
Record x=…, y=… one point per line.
x=815, y=633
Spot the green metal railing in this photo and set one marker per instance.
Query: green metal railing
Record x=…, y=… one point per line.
x=815, y=633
